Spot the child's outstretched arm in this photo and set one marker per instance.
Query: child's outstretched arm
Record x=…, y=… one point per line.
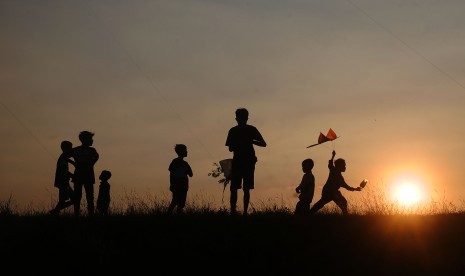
x=350, y=188
x=331, y=161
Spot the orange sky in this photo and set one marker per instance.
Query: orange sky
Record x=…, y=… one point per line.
x=386, y=76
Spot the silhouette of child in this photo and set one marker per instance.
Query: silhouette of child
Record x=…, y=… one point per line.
x=180, y=171
x=331, y=188
x=62, y=178
x=103, y=199
x=306, y=188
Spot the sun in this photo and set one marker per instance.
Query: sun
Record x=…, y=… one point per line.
x=408, y=192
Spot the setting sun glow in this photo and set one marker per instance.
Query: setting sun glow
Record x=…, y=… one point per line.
x=408, y=192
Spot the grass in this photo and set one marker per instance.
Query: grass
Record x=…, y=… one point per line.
x=377, y=238
x=131, y=203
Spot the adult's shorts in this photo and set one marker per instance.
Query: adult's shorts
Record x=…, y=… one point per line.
x=242, y=174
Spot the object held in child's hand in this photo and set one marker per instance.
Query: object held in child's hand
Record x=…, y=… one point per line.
x=364, y=183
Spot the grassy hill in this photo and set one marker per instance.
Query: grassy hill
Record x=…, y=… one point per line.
x=268, y=243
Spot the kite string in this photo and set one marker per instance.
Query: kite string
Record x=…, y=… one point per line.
x=27, y=130
x=406, y=44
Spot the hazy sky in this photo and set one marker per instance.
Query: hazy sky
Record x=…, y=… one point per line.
x=387, y=76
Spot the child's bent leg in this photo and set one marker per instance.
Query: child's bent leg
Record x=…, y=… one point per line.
x=341, y=201
x=319, y=204
x=172, y=204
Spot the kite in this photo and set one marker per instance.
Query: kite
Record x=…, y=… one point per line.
x=226, y=167
x=322, y=138
x=223, y=167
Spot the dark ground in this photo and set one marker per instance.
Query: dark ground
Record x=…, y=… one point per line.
x=219, y=244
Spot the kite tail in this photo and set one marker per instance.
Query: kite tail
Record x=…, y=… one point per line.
x=224, y=188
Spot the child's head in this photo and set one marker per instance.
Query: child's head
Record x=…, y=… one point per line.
x=340, y=164
x=66, y=146
x=86, y=138
x=242, y=115
x=105, y=175
x=181, y=150
x=307, y=165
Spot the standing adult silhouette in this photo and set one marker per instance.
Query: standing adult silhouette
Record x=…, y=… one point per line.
x=241, y=140
x=85, y=157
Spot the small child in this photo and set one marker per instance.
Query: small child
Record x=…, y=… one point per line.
x=180, y=171
x=331, y=188
x=306, y=188
x=103, y=199
x=62, y=178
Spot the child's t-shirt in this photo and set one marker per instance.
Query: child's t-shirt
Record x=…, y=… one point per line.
x=62, y=174
x=103, y=199
x=307, y=186
x=180, y=171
